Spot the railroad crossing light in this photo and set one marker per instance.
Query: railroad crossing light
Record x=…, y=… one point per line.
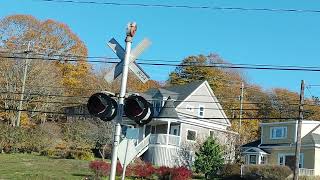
x=135, y=107
x=103, y=106
x=138, y=109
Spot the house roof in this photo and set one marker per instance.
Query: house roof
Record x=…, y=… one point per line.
x=177, y=92
x=252, y=144
x=168, y=110
x=315, y=138
x=255, y=150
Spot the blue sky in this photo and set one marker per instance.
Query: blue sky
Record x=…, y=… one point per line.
x=280, y=38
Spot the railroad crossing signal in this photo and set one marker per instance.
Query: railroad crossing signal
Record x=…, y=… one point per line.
x=135, y=68
x=136, y=108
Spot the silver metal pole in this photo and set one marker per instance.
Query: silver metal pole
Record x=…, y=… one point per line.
x=241, y=104
x=26, y=63
x=116, y=138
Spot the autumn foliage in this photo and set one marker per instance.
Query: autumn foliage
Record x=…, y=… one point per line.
x=142, y=170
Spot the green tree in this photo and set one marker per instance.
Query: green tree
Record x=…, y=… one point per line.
x=209, y=158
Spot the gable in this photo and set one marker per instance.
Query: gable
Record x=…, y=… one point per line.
x=203, y=97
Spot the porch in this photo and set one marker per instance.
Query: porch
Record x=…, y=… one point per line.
x=163, y=142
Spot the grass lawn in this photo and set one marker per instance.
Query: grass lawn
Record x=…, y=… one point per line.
x=29, y=166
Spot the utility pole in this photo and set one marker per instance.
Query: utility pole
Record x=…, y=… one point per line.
x=298, y=143
x=131, y=29
x=26, y=64
x=241, y=104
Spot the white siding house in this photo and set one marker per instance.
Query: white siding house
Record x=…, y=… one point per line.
x=185, y=115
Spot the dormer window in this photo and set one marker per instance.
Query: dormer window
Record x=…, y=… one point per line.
x=278, y=132
x=157, y=105
x=201, y=111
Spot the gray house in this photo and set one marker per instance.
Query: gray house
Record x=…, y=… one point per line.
x=185, y=115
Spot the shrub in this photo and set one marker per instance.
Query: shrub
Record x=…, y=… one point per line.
x=230, y=170
x=143, y=170
x=82, y=155
x=176, y=173
x=163, y=171
x=272, y=172
x=100, y=168
x=181, y=173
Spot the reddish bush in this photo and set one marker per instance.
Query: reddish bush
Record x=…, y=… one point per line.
x=163, y=171
x=143, y=170
x=181, y=173
x=119, y=169
x=100, y=168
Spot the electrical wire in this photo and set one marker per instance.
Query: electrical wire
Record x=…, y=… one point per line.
x=87, y=114
x=185, y=6
x=215, y=65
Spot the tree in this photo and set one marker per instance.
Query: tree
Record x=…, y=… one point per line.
x=70, y=71
x=209, y=158
x=224, y=82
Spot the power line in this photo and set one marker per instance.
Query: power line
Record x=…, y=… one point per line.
x=87, y=114
x=66, y=96
x=225, y=65
x=39, y=94
x=186, y=6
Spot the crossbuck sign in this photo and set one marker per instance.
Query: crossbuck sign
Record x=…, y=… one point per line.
x=135, y=68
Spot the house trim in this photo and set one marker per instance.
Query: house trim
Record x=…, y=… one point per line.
x=286, y=147
x=292, y=122
x=295, y=134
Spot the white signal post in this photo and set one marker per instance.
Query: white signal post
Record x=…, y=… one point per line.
x=131, y=29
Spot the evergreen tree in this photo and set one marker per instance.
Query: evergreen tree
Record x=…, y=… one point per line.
x=209, y=158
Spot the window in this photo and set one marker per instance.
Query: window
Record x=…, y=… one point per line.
x=278, y=132
x=191, y=135
x=289, y=160
x=263, y=160
x=201, y=111
x=253, y=159
x=153, y=129
x=189, y=108
x=211, y=133
x=157, y=105
x=281, y=160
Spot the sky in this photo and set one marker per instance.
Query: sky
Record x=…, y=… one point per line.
x=249, y=37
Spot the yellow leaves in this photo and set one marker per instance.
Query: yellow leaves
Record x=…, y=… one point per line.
x=25, y=121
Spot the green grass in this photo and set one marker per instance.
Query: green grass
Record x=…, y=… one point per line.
x=29, y=166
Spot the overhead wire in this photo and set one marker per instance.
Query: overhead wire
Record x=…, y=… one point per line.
x=203, y=7
x=87, y=114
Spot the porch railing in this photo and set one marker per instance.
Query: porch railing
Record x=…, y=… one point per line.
x=144, y=143
x=306, y=172
x=162, y=139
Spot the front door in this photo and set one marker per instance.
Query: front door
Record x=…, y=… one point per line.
x=290, y=162
x=174, y=130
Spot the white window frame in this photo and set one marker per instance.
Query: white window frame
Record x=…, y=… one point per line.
x=283, y=128
x=201, y=106
x=189, y=108
x=283, y=156
x=195, y=138
x=256, y=161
